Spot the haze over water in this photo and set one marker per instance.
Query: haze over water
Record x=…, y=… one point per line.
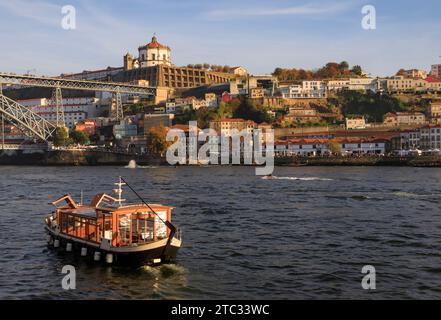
x=305, y=234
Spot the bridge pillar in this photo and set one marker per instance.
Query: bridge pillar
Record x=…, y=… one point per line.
x=57, y=102
x=2, y=121
x=117, y=108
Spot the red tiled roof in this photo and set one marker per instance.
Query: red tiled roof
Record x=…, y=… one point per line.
x=155, y=44
x=432, y=79
x=183, y=127
x=311, y=141
x=232, y=120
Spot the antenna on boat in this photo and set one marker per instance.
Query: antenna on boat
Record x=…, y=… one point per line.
x=119, y=191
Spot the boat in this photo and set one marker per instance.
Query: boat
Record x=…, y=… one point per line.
x=112, y=232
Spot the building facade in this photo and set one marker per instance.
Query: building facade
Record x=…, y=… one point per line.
x=436, y=70
x=306, y=90
x=400, y=84
x=75, y=109
x=228, y=127
x=154, y=66
x=415, y=73
x=319, y=147
x=153, y=54
x=404, y=118
x=435, y=112
x=424, y=138
x=355, y=123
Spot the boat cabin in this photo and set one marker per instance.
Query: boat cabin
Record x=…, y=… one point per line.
x=122, y=226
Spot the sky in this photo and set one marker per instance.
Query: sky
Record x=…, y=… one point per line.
x=259, y=35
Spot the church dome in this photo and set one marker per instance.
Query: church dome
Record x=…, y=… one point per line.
x=156, y=44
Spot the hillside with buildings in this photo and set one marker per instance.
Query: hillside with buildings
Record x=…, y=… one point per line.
x=308, y=109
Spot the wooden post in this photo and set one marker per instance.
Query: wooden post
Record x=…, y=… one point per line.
x=154, y=228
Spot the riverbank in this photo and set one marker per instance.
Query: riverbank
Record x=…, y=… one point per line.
x=74, y=158
x=104, y=158
x=419, y=161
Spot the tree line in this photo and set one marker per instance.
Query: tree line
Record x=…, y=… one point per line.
x=330, y=71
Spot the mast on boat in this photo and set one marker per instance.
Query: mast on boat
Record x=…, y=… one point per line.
x=119, y=191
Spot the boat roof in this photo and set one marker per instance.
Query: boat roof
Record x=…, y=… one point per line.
x=99, y=203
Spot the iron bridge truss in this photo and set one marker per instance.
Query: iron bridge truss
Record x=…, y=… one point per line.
x=36, y=126
x=27, y=120
x=46, y=82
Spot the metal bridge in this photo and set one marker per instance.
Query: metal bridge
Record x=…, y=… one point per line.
x=34, y=81
x=33, y=124
x=28, y=121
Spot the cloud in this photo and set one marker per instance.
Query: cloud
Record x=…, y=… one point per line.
x=39, y=11
x=303, y=10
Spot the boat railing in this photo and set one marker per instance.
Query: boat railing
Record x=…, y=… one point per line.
x=178, y=234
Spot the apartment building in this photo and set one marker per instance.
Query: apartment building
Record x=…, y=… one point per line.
x=242, y=85
x=404, y=118
x=436, y=71
x=400, y=84
x=317, y=147
x=415, y=73
x=434, y=112
x=355, y=84
x=228, y=127
x=425, y=138
x=355, y=123
x=75, y=109
x=430, y=137
x=306, y=90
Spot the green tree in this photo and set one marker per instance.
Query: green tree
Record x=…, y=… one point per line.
x=80, y=137
x=61, y=137
x=357, y=70
x=157, y=143
x=344, y=65
x=249, y=111
x=277, y=72
x=372, y=105
x=334, y=147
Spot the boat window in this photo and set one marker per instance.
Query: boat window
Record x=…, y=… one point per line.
x=77, y=227
x=108, y=234
x=150, y=225
x=124, y=229
x=144, y=227
x=91, y=231
x=70, y=225
x=161, y=228
x=63, y=223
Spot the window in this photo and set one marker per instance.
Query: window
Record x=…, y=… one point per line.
x=124, y=229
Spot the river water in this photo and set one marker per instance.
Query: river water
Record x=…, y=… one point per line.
x=304, y=235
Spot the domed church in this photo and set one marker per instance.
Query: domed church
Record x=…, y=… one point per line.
x=153, y=54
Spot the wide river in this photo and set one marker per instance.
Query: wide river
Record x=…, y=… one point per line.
x=304, y=235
